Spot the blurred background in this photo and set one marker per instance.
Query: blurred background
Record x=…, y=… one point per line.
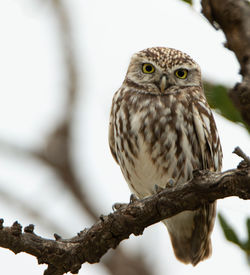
x=60, y=64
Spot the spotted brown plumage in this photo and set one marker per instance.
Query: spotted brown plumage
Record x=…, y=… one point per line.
x=162, y=128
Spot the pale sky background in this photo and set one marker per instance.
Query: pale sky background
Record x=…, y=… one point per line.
x=106, y=34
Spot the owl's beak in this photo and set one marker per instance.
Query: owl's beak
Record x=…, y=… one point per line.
x=163, y=83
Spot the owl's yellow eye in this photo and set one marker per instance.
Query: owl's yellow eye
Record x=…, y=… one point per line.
x=148, y=68
x=181, y=73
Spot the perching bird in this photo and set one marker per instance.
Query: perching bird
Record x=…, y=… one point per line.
x=161, y=129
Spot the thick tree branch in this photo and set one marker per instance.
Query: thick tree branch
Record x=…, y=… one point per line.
x=64, y=255
x=233, y=18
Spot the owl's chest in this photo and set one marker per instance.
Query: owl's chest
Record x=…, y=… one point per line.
x=154, y=142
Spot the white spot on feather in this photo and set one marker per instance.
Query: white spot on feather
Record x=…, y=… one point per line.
x=200, y=131
x=207, y=123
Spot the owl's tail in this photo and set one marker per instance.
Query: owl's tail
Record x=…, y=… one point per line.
x=190, y=235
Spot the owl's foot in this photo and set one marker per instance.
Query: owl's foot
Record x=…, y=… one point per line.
x=133, y=198
x=158, y=188
x=171, y=183
x=119, y=206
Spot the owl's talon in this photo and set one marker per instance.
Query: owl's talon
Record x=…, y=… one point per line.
x=171, y=183
x=133, y=198
x=101, y=218
x=118, y=206
x=158, y=188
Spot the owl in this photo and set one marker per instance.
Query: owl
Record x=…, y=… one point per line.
x=161, y=129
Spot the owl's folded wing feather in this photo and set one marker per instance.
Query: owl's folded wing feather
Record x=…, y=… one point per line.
x=207, y=135
x=111, y=134
x=211, y=156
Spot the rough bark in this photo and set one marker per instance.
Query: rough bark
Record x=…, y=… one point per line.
x=64, y=255
x=233, y=18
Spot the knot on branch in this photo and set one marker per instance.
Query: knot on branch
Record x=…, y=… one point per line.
x=246, y=160
x=29, y=229
x=1, y=223
x=57, y=237
x=16, y=229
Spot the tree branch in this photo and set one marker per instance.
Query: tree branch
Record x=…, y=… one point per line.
x=64, y=255
x=233, y=18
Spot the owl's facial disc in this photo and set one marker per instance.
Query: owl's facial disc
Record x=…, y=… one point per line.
x=160, y=76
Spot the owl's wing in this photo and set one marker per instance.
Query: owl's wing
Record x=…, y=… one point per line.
x=207, y=135
x=211, y=156
x=111, y=133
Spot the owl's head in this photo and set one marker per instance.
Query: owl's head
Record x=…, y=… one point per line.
x=158, y=70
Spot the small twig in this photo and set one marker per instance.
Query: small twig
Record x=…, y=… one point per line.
x=241, y=154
